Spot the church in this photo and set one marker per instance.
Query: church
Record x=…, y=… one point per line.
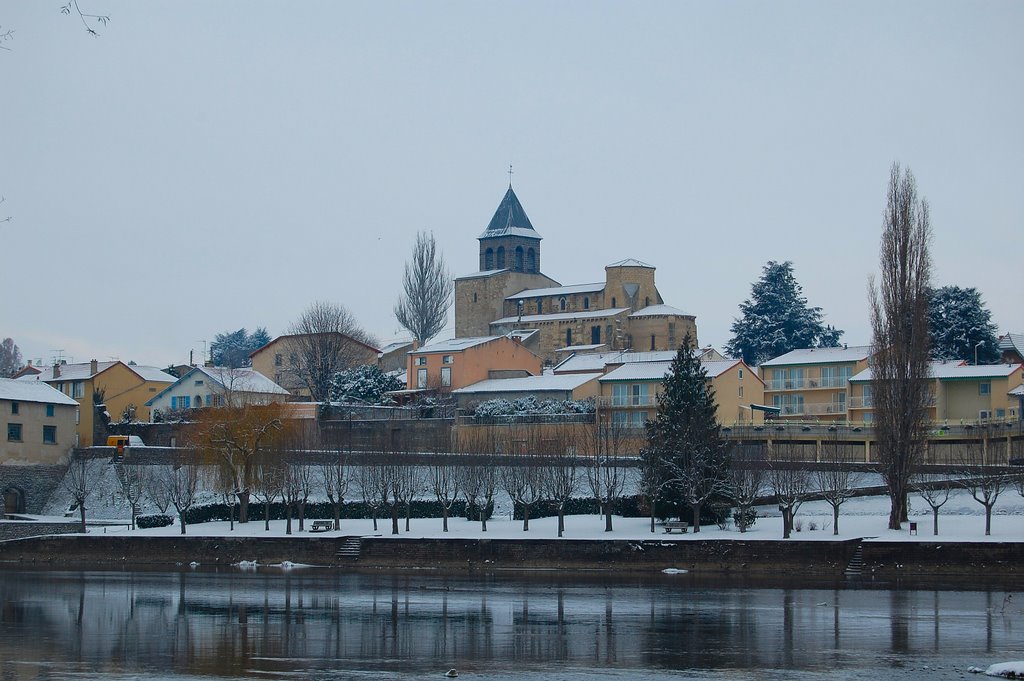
x=509, y=293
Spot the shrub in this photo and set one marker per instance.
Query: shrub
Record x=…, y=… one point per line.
x=144, y=522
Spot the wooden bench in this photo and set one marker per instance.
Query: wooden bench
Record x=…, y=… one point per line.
x=322, y=526
x=673, y=525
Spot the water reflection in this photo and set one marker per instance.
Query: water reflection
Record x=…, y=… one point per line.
x=244, y=624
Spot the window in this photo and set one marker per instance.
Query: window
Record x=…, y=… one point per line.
x=620, y=418
x=741, y=391
x=586, y=303
x=77, y=389
x=199, y=382
x=540, y=306
x=1000, y=413
x=568, y=337
x=519, y=259
x=421, y=378
x=199, y=401
x=741, y=374
x=638, y=418
x=446, y=376
x=531, y=260
x=181, y=402
x=672, y=336
x=985, y=388
x=501, y=257
x=49, y=435
x=638, y=394
x=474, y=297
x=613, y=301
x=620, y=395
x=49, y=410
x=421, y=361
x=647, y=301
x=447, y=359
x=14, y=432
x=489, y=259
x=595, y=335
x=293, y=359
x=278, y=360
x=561, y=304
x=652, y=341
x=14, y=407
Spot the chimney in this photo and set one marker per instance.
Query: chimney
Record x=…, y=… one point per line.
x=94, y=367
x=56, y=369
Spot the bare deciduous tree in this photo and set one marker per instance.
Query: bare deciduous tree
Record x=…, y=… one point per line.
x=444, y=483
x=837, y=482
x=984, y=486
x=935, y=490
x=79, y=481
x=747, y=484
x=790, y=486
x=427, y=289
x=180, y=484
x=899, y=321
x=523, y=481
x=606, y=471
x=336, y=479
x=268, y=488
x=562, y=473
x=326, y=339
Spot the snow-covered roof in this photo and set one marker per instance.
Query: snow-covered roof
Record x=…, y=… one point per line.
x=953, y=371
x=561, y=316
x=631, y=262
x=1012, y=341
x=650, y=371
x=558, y=291
x=582, y=348
x=513, y=231
x=69, y=372
x=546, y=382
x=391, y=346
x=853, y=353
x=152, y=374
x=18, y=390
x=454, y=344
x=510, y=219
x=480, y=275
x=660, y=310
x=244, y=379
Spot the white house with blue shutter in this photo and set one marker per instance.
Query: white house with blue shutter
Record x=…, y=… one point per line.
x=217, y=387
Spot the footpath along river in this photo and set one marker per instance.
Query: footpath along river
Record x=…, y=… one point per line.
x=324, y=624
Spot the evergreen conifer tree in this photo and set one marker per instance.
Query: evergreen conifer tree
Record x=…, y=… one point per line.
x=776, y=319
x=685, y=450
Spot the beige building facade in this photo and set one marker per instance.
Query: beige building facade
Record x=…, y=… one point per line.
x=813, y=383
x=40, y=423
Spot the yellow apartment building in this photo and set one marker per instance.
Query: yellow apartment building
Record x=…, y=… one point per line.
x=813, y=384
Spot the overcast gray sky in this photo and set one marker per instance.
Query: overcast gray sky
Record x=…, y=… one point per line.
x=203, y=166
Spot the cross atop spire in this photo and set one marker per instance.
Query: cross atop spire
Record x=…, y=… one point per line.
x=509, y=175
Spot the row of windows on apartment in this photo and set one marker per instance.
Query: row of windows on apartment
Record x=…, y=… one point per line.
x=422, y=378
x=75, y=389
x=293, y=359
x=789, y=378
x=14, y=433
x=16, y=408
x=186, y=401
x=638, y=395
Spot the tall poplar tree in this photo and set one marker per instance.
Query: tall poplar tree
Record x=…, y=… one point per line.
x=899, y=322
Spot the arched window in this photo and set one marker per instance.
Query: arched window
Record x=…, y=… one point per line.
x=199, y=401
x=647, y=301
x=613, y=301
x=586, y=303
x=531, y=261
x=540, y=306
x=501, y=257
x=519, y=259
x=561, y=304
x=489, y=259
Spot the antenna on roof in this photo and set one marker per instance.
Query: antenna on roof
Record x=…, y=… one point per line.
x=510, y=176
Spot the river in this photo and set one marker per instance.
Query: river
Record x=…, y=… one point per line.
x=323, y=624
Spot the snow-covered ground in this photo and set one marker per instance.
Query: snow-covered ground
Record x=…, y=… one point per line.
x=961, y=519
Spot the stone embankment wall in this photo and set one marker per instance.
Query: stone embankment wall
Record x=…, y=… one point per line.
x=34, y=483
x=714, y=557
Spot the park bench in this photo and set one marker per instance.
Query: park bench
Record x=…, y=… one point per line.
x=322, y=526
x=673, y=525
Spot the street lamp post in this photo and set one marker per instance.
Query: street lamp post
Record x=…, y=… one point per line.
x=976, y=346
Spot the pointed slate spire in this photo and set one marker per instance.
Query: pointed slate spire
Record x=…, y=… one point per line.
x=510, y=219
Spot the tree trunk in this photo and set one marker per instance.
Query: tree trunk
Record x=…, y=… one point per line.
x=181, y=520
x=302, y=516
x=266, y=515
x=988, y=518
x=288, y=516
x=373, y=512
x=444, y=518
x=526, y=517
x=81, y=513
x=835, y=520
x=935, y=521
x=696, y=516
x=336, y=507
x=394, y=518
x=561, y=519
x=243, y=507
x=408, y=515
x=608, y=516
x=786, y=521
x=895, y=512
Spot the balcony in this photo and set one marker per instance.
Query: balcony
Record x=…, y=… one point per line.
x=778, y=384
x=628, y=401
